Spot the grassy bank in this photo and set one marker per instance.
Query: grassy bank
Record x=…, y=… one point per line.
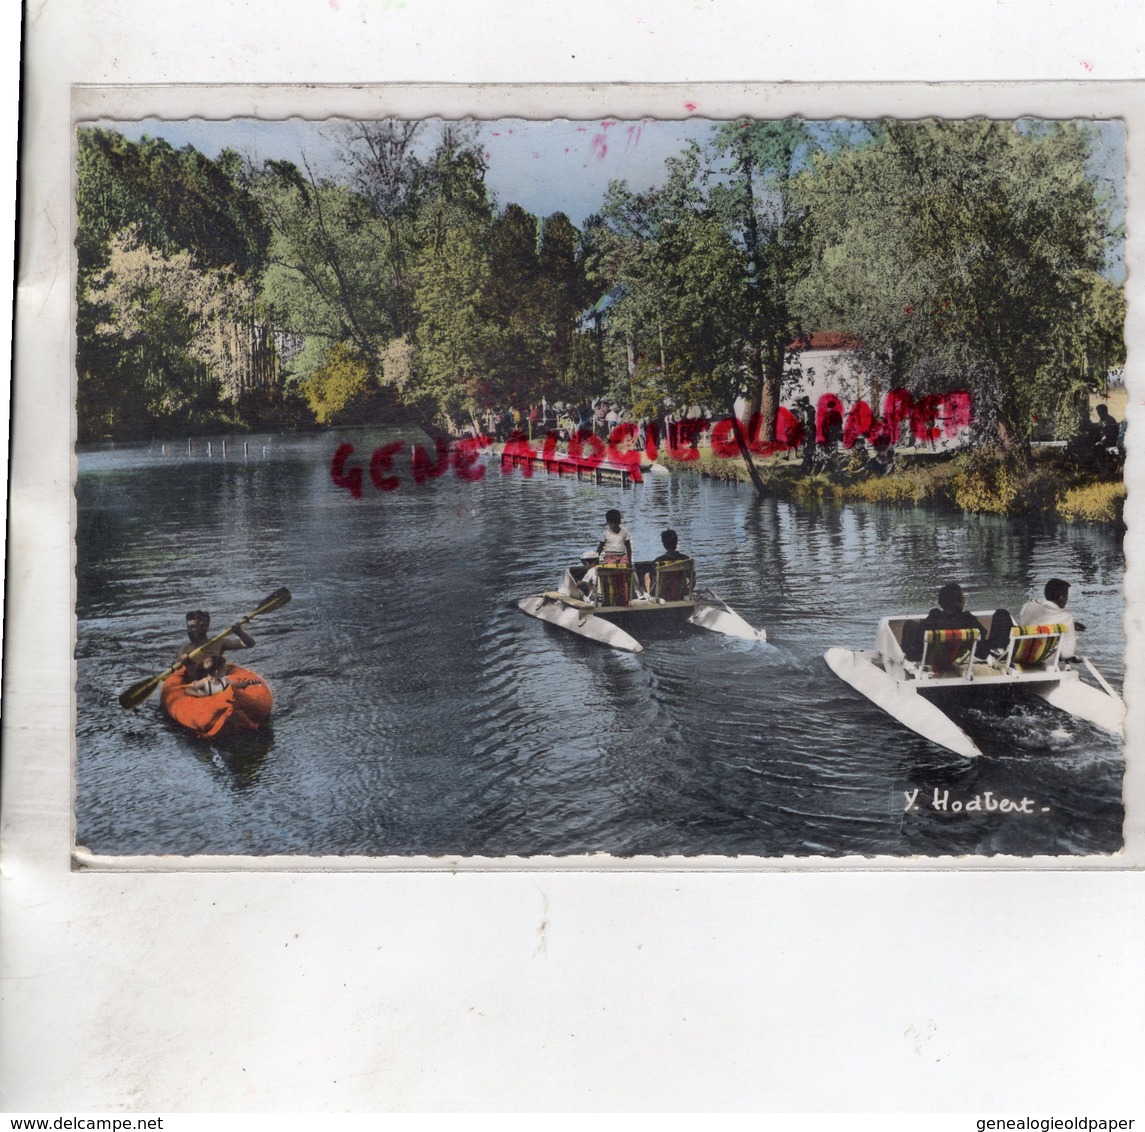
x=978, y=481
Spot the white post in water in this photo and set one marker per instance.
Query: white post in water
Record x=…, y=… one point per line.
x=188, y=446
x=208, y=448
x=224, y=449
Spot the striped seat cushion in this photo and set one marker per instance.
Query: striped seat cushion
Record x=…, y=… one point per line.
x=673, y=582
x=614, y=584
x=945, y=646
x=1034, y=643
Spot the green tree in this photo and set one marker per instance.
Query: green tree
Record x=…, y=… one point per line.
x=689, y=291
x=189, y=224
x=326, y=279
x=565, y=295
x=751, y=190
x=513, y=309
x=451, y=333
x=1082, y=356
x=179, y=200
x=390, y=164
x=970, y=249
x=452, y=277
x=703, y=272
x=626, y=254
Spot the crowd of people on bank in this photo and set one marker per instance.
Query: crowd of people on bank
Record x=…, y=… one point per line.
x=1097, y=445
x=565, y=419
x=822, y=450
x=557, y=417
x=825, y=453
x=669, y=430
x=599, y=418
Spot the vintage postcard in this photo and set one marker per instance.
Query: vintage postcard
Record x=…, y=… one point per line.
x=358, y=372
x=742, y=486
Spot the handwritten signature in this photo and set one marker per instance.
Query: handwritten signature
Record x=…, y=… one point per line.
x=987, y=803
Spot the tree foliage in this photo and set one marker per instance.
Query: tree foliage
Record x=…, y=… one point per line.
x=966, y=252
x=153, y=297
x=326, y=275
x=337, y=384
x=167, y=245
x=960, y=254
x=179, y=200
x=753, y=194
x=451, y=271
x=741, y=182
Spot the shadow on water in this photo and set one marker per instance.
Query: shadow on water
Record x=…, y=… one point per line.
x=417, y=710
x=237, y=760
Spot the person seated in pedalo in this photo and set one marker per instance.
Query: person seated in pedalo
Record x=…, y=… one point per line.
x=672, y=554
x=951, y=614
x=1052, y=611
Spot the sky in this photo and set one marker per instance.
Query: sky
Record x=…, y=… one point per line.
x=545, y=166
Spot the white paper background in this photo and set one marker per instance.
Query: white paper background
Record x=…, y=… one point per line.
x=956, y=990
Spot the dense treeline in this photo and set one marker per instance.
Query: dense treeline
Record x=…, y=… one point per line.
x=169, y=250
x=956, y=255
x=212, y=295
x=966, y=254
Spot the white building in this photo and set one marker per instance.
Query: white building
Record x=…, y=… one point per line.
x=829, y=365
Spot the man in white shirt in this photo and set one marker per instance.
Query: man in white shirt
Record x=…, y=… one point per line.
x=1052, y=611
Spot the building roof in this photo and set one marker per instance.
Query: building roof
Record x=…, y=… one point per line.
x=827, y=340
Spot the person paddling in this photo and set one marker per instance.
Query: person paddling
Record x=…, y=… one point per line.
x=198, y=633
x=215, y=679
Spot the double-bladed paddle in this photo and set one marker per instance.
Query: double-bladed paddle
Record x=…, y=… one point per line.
x=141, y=690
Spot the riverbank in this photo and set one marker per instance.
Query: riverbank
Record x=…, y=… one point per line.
x=978, y=480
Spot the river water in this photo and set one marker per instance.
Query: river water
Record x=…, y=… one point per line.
x=418, y=712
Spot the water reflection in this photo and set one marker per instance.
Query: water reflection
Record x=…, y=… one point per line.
x=238, y=759
x=418, y=712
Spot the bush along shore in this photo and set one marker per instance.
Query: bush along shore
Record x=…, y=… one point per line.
x=979, y=480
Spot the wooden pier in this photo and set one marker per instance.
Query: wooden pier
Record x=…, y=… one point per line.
x=602, y=473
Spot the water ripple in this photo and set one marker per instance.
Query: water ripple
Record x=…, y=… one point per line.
x=418, y=711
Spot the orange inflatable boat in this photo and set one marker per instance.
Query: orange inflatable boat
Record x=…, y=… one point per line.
x=232, y=711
